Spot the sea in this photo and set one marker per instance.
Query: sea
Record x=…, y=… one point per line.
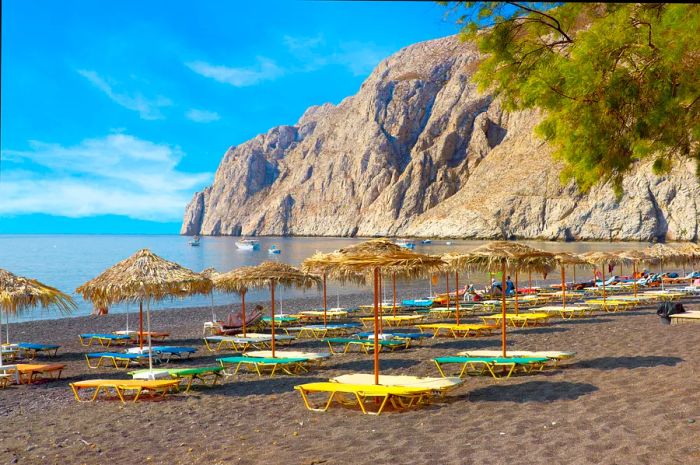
x=67, y=261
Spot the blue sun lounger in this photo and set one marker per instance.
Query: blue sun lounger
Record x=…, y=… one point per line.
x=165, y=353
x=104, y=339
x=31, y=350
x=482, y=365
x=290, y=365
x=118, y=359
x=366, y=345
x=412, y=336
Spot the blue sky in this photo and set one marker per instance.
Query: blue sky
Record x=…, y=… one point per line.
x=115, y=112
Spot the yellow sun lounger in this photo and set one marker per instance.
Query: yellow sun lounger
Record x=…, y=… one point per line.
x=399, y=320
x=611, y=305
x=358, y=394
x=498, y=367
x=568, y=312
x=288, y=365
x=521, y=320
x=439, y=386
x=31, y=372
x=458, y=330
x=120, y=386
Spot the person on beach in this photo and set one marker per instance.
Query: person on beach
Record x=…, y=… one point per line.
x=510, y=287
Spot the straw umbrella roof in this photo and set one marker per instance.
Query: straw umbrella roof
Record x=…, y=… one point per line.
x=268, y=273
x=598, y=257
x=566, y=258
x=352, y=263
x=668, y=254
x=210, y=273
x=232, y=281
x=492, y=256
x=636, y=256
x=690, y=249
x=18, y=293
x=144, y=276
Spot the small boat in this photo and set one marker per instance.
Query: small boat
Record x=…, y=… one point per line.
x=406, y=244
x=448, y=243
x=248, y=244
x=194, y=242
x=426, y=241
x=273, y=250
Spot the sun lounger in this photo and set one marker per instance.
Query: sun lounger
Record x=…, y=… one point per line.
x=208, y=376
x=121, y=386
x=9, y=352
x=413, y=337
x=521, y=320
x=399, y=320
x=104, y=339
x=555, y=356
x=31, y=350
x=458, y=330
x=568, y=312
x=610, y=305
x=118, y=359
x=318, y=314
x=358, y=394
x=165, y=353
x=291, y=365
x=30, y=372
x=321, y=331
x=241, y=344
x=492, y=365
x=686, y=317
x=317, y=357
x=366, y=345
x=4, y=380
x=439, y=386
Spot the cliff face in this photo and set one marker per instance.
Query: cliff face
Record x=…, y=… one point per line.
x=419, y=152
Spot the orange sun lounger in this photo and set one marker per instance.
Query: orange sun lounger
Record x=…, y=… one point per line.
x=121, y=386
x=31, y=372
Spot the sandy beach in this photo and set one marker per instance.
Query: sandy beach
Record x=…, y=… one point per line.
x=631, y=397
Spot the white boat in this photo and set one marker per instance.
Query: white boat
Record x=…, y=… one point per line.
x=426, y=241
x=273, y=250
x=194, y=242
x=406, y=244
x=248, y=244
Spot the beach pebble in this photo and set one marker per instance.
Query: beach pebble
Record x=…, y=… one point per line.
x=691, y=421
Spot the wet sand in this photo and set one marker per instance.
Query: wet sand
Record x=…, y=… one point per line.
x=631, y=397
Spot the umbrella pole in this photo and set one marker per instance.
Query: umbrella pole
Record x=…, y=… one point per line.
x=447, y=287
x=376, y=326
x=213, y=315
x=529, y=282
x=563, y=287
x=127, y=318
x=516, y=292
x=381, y=306
x=1, y=362
x=634, y=278
x=503, y=308
x=325, y=304
x=272, y=294
x=393, y=277
x=457, y=302
x=243, y=311
x=604, y=293
x=573, y=284
x=148, y=332
x=140, y=324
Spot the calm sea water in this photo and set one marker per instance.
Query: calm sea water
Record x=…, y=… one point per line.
x=67, y=261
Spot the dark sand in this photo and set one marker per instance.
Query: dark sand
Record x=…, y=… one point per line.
x=632, y=397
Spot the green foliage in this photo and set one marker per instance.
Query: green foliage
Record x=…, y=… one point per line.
x=618, y=82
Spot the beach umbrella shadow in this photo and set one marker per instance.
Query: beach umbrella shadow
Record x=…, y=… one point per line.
x=532, y=391
x=631, y=362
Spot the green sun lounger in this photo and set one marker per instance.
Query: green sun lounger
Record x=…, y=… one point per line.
x=202, y=374
x=289, y=365
x=498, y=367
x=366, y=345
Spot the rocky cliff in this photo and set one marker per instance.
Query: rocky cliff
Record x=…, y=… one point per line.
x=419, y=152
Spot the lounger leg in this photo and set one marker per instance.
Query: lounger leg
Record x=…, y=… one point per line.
x=440, y=369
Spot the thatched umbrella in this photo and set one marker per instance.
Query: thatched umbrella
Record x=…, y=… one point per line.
x=234, y=282
x=600, y=258
x=498, y=256
x=667, y=255
x=211, y=273
x=635, y=257
x=18, y=294
x=564, y=259
x=455, y=263
x=273, y=274
x=692, y=251
x=144, y=277
x=351, y=263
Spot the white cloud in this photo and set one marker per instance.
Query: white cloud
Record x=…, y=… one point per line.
x=359, y=57
x=264, y=70
x=118, y=174
x=202, y=116
x=148, y=109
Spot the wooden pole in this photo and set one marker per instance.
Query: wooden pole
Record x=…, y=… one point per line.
x=394, y=282
x=563, y=287
x=516, y=292
x=447, y=286
x=503, y=308
x=376, y=326
x=141, y=325
x=604, y=296
x=529, y=281
x=634, y=277
x=272, y=294
x=381, y=305
x=243, y=311
x=457, y=302
x=325, y=303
